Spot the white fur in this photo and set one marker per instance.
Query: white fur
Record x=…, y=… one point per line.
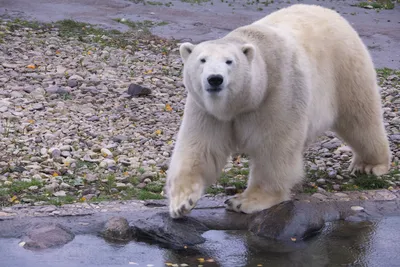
x=295, y=74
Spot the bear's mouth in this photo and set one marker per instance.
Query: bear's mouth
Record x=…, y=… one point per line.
x=214, y=89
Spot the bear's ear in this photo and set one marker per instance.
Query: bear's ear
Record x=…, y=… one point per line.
x=185, y=50
x=248, y=50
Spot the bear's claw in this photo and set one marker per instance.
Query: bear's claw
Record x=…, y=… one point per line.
x=182, y=202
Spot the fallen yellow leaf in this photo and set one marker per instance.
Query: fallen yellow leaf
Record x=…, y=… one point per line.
x=148, y=72
x=31, y=66
x=168, y=107
x=158, y=132
x=169, y=142
x=31, y=121
x=89, y=52
x=55, y=174
x=13, y=199
x=83, y=199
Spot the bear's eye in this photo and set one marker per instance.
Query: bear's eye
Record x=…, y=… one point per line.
x=203, y=60
x=229, y=62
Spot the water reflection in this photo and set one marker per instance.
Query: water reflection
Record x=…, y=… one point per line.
x=339, y=244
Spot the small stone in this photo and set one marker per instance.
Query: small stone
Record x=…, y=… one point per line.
x=65, y=148
x=332, y=174
x=91, y=177
x=119, y=138
x=72, y=83
x=60, y=194
x=55, y=152
x=136, y=90
x=319, y=196
x=106, y=153
x=121, y=185
x=321, y=181
x=336, y=187
x=75, y=77
x=357, y=208
x=117, y=228
x=107, y=163
x=37, y=106
x=64, y=186
x=341, y=195
x=33, y=188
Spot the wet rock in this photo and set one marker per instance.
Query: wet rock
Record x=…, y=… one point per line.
x=172, y=233
x=41, y=236
x=136, y=90
x=286, y=221
x=117, y=229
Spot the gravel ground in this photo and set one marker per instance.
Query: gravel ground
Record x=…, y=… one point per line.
x=71, y=132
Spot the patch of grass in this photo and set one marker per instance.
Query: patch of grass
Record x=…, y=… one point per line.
x=141, y=25
x=58, y=201
x=19, y=23
x=310, y=190
x=154, y=187
x=366, y=182
x=89, y=33
x=212, y=190
x=144, y=194
x=154, y=3
x=386, y=72
x=19, y=186
x=379, y=4
x=195, y=1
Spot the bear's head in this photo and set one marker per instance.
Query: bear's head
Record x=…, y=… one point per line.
x=221, y=76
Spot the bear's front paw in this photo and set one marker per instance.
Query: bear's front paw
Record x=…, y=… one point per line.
x=250, y=202
x=183, y=199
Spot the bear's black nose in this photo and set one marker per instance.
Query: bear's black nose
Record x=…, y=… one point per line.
x=215, y=80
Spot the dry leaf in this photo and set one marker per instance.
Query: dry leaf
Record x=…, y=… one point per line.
x=31, y=66
x=13, y=199
x=55, y=174
x=158, y=132
x=168, y=107
x=293, y=239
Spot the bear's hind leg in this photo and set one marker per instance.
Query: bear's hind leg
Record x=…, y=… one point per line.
x=360, y=125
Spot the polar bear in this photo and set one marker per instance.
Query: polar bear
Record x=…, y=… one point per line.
x=268, y=89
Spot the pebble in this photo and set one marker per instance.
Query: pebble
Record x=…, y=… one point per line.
x=357, y=208
x=59, y=194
